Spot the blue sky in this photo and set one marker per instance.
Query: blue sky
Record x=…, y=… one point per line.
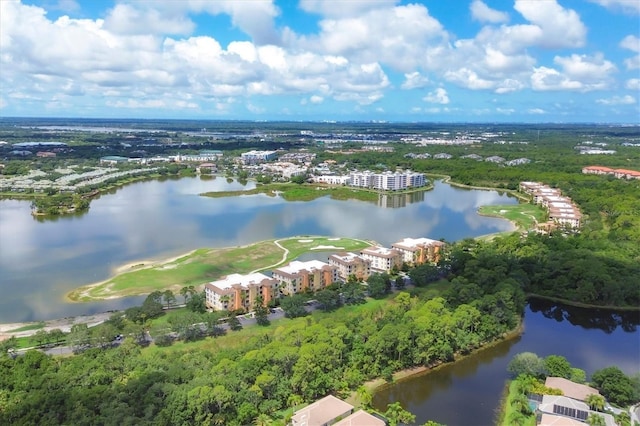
x=387, y=60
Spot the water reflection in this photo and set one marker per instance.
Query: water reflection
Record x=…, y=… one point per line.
x=41, y=261
x=600, y=319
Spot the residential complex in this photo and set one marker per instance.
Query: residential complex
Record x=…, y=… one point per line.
x=299, y=276
x=382, y=259
x=617, y=173
x=416, y=251
x=351, y=264
x=387, y=181
x=561, y=209
x=237, y=291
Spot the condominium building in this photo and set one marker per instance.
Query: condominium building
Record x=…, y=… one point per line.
x=256, y=157
x=387, y=181
x=382, y=259
x=561, y=209
x=417, y=251
x=237, y=291
x=349, y=264
x=299, y=276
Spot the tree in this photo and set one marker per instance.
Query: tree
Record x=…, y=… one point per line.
x=169, y=298
x=396, y=415
x=527, y=363
x=352, y=293
x=596, y=420
x=615, y=386
x=293, y=306
x=378, y=285
x=40, y=338
x=197, y=303
x=261, y=312
x=9, y=345
x=187, y=292
x=400, y=284
x=595, y=402
x=557, y=366
x=152, y=306
x=365, y=396
x=56, y=336
x=79, y=338
x=263, y=420
x=328, y=299
x=234, y=323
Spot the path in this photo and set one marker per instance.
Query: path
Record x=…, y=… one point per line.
x=284, y=257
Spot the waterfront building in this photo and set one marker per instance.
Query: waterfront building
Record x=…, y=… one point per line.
x=561, y=209
x=349, y=263
x=240, y=292
x=382, y=259
x=299, y=276
x=387, y=181
x=417, y=251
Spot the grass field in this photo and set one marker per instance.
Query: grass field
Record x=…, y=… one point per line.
x=306, y=192
x=523, y=216
x=205, y=265
x=35, y=326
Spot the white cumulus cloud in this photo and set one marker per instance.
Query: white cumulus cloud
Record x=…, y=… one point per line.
x=617, y=100
x=633, y=84
x=438, y=96
x=627, y=6
x=483, y=13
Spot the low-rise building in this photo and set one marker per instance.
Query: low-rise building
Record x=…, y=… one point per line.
x=349, y=264
x=299, y=276
x=235, y=291
x=323, y=412
x=382, y=259
x=332, y=179
x=417, y=251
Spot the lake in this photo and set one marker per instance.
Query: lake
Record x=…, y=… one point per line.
x=468, y=392
x=42, y=260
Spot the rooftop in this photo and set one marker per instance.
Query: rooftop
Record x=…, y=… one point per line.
x=321, y=412
x=244, y=280
x=570, y=389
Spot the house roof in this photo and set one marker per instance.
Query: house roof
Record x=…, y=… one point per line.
x=361, y=418
x=230, y=280
x=570, y=389
x=553, y=420
x=321, y=412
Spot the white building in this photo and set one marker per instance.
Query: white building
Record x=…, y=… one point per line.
x=351, y=264
x=387, y=181
x=255, y=157
x=382, y=259
x=332, y=180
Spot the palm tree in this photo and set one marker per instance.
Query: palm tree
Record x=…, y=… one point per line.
x=596, y=420
x=595, y=402
x=263, y=420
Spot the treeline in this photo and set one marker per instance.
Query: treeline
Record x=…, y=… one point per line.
x=251, y=372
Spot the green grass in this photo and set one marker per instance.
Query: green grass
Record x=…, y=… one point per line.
x=524, y=216
x=28, y=327
x=203, y=265
x=303, y=192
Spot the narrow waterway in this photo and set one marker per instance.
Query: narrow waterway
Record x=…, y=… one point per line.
x=468, y=392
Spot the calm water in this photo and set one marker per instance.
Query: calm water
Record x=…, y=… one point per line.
x=40, y=261
x=468, y=393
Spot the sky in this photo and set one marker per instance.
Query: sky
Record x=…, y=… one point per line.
x=316, y=60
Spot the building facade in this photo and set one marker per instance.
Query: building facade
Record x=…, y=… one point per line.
x=240, y=292
x=382, y=259
x=257, y=157
x=416, y=251
x=349, y=264
x=299, y=276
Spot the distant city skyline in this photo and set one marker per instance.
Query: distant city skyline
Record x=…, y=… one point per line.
x=323, y=60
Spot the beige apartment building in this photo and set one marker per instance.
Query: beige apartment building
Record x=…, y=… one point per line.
x=235, y=291
x=299, y=276
x=416, y=251
x=351, y=264
x=382, y=259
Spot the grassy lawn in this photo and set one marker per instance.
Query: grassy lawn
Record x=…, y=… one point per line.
x=507, y=408
x=303, y=192
x=205, y=265
x=524, y=216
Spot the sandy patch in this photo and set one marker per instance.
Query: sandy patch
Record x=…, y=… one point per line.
x=327, y=248
x=63, y=324
x=333, y=239
x=502, y=211
x=305, y=241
